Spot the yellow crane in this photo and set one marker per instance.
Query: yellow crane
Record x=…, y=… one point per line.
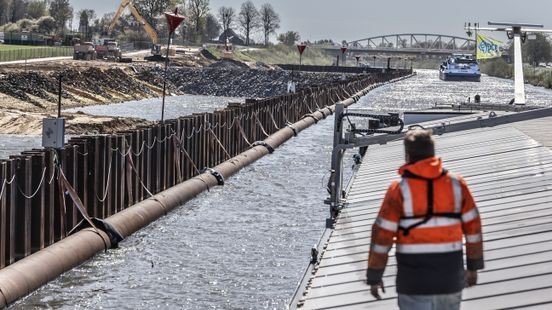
x=147, y=27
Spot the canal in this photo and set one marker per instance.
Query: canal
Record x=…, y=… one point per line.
x=244, y=245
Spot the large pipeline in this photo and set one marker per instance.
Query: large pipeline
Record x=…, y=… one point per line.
x=30, y=273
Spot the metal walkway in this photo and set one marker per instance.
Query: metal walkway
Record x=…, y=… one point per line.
x=510, y=175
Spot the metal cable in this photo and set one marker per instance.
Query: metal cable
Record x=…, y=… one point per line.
x=11, y=181
x=53, y=176
x=233, y=123
x=244, y=136
x=261, y=126
x=190, y=159
x=152, y=144
x=274, y=121
x=37, y=189
x=221, y=145
x=106, y=183
x=141, y=149
x=3, y=188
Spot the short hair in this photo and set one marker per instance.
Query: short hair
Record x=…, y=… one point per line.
x=419, y=145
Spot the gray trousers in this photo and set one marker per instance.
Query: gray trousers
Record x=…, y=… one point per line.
x=430, y=302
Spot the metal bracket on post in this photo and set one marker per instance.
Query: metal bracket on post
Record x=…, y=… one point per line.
x=336, y=175
x=377, y=123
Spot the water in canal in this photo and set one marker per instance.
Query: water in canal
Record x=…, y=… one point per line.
x=244, y=245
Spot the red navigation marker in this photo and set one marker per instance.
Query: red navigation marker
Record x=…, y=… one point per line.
x=174, y=20
x=343, y=50
x=301, y=47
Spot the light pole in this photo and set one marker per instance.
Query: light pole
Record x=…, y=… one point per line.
x=469, y=33
x=173, y=21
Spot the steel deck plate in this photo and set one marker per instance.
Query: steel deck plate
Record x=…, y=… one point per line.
x=510, y=175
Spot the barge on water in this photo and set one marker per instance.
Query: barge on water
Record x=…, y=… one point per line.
x=460, y=67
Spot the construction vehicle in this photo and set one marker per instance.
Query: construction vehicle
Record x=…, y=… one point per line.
x=108, y=48
x=156, y=49
x=84, y=51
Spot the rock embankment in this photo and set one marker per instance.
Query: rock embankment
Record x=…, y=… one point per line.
x=235, y=82
x=80, y=87
x=38, y=90
x=26, y=96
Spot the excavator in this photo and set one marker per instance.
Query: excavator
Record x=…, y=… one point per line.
x=156, y=49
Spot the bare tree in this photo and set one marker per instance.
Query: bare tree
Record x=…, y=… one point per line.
x=270, y=21
x=226, y=17
x=197, y=12
x=248, y=19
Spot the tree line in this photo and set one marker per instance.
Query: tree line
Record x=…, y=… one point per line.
x=55, y=17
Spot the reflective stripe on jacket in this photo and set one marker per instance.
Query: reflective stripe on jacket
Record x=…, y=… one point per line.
x=429, y=256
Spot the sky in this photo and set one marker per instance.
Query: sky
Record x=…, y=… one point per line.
x=357, y=19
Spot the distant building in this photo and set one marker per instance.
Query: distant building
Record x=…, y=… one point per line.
x=232, y=36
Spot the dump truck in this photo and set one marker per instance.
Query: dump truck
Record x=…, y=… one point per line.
x=108, y=49
x=84, y=51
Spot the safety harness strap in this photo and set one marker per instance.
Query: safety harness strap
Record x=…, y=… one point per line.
x=430, y=197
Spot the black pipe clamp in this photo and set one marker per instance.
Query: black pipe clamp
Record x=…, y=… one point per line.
x=311, y=116
x=295, y=133
x=216, y=174
x=263, y=143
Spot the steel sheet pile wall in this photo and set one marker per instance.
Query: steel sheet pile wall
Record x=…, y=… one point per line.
x=110, y=173
x=333, y=69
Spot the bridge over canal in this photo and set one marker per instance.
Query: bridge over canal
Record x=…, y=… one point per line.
x=409, y=44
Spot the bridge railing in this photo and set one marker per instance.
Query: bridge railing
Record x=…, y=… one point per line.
x=41, y=190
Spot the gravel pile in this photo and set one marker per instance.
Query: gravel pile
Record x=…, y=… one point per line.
x=93, y=80
x=224, y=78
x=22, y=84
x=103, y=82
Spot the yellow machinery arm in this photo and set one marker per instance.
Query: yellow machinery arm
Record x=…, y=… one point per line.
x=149, y=29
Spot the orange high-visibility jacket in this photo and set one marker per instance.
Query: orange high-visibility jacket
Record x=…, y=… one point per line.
x=429, y=249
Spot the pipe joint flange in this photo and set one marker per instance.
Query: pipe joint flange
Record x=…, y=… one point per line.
x=311, y=116
x=322, y=112
x=216, y=174
x=112, y=233
x=290, y=126
x=266, y=145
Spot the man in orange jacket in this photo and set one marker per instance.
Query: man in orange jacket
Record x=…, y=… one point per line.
x=426, y=214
